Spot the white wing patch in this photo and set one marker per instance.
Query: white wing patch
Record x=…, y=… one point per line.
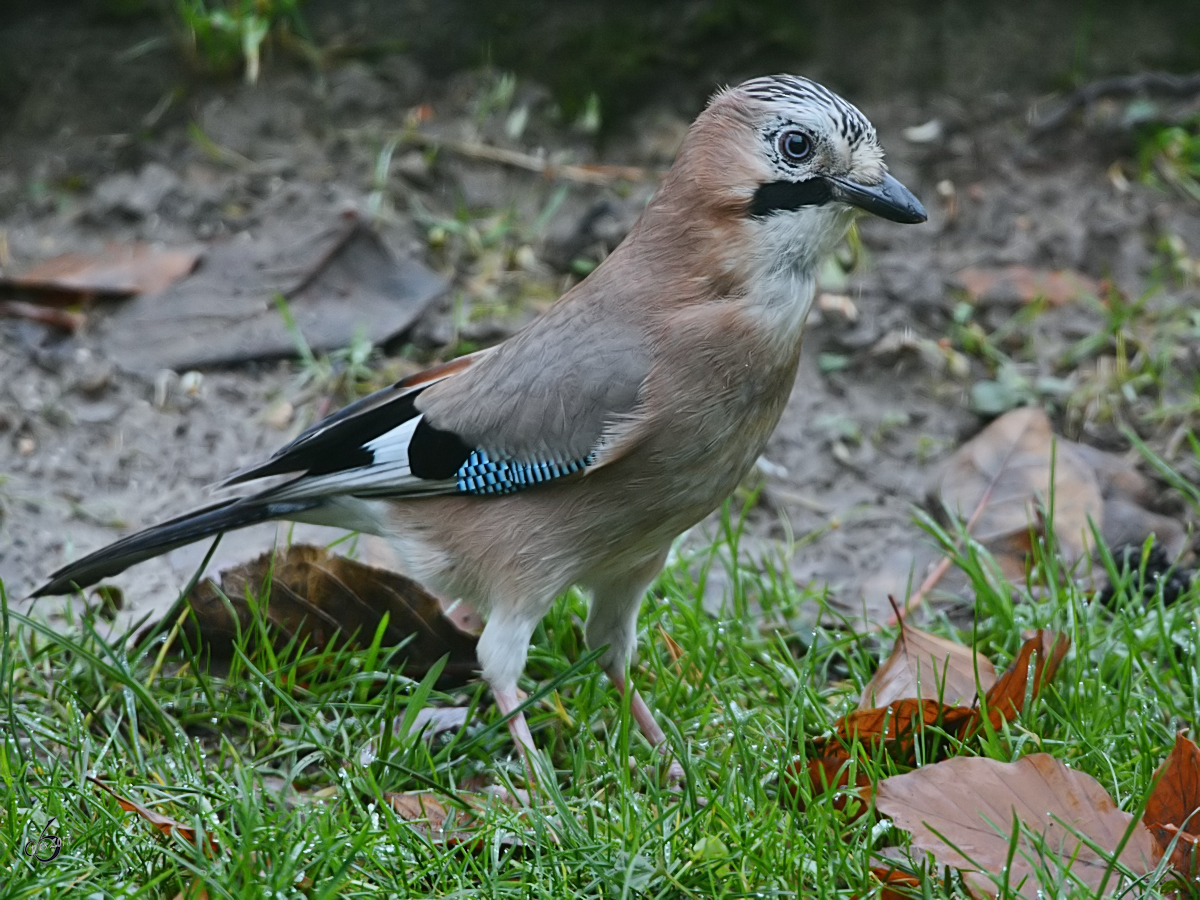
x=392, y=446
x=389, y=473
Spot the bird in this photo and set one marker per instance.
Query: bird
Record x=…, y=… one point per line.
x=575, y=452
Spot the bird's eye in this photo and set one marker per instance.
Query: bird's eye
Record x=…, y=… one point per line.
x=795, y=145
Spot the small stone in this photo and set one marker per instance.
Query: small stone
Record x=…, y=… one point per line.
x=279, y=414
x=190, y=383
x=928, y=133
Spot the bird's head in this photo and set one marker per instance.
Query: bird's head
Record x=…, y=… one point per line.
x=776, y=168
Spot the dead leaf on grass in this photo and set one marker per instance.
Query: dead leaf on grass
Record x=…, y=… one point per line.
x=894, y=728
x=962, y=811
x=923, y=665
x=1000, y=480
x=164, y=824
x=1173, y=810
x=1018, y=284
x=321, y=597
x=1005, y=700
x=825, y=774
x=896, y=884
x=449, y=823
x=892, y=731
x=1004, y=471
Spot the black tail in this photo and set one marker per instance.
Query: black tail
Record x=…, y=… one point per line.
x=160, y=539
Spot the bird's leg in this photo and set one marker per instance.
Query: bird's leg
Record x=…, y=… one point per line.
x=507, y=702
x=502, y=649
x=641, y=712
x=644, y=717
x=612, y=620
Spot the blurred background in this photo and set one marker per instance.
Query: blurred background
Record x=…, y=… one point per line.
x=419, y=179
x=623, y=51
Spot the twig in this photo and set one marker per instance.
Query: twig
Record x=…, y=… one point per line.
x=47, y=315
x=1120, y=86
x=943, y=566
x=583, y=174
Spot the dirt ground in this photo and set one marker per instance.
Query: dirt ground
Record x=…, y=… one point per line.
x=91, y=447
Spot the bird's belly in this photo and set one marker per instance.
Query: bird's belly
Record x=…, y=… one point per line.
x=614, y=517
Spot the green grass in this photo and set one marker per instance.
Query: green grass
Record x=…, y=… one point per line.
x=1169, y=156
x=268, y=755
x=225, y=34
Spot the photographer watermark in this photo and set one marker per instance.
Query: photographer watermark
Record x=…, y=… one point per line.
x=46, y=847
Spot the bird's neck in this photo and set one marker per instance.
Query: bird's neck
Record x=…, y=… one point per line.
x=779, y=298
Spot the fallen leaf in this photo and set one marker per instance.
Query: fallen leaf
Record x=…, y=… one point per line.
x=340, y=282
x=1173, y=810
x=63, y=319
x=962, y=811
x=924, y=666
x=893, y=729
x=165, y=824
x=1005, y=700
x=896, y=884
x=1126, y=493
x=1003, y=472
x=1020, y=284
x=118, y=270
x=825, y=774
x=1000, y=478
x=451, y=824
x=321, y=597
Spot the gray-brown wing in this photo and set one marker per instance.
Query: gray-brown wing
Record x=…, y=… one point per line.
x=548, y=394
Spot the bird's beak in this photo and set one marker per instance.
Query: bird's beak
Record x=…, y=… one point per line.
x=889, y=199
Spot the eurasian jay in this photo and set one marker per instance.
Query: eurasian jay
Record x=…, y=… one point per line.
x=575, y=452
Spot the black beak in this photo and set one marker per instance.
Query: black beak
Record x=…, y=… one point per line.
x=888, y=199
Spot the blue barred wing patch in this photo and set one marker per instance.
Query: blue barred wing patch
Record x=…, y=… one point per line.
x=481, y=474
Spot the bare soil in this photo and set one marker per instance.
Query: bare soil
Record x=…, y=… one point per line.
x=90, y=451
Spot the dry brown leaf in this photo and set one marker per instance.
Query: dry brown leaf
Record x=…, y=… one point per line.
x=1004, y=471
x=165, y=824
x=825, y=774
x=894, y=725
x=63, y=319
x=341, y=282
x=997, y=481
x=895, y=884
x=445, y=823
x=925, y=666
x=118, y=270
x=961, y=811
x=431, y=816
x=1006, y=698
x=319, y=597
x=1021, y=284
x=894, y=728
x=1173, y=810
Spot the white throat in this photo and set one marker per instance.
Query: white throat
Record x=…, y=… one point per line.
x=782, y=276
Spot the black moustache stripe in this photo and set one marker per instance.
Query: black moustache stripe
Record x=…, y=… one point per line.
x=780, y=196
